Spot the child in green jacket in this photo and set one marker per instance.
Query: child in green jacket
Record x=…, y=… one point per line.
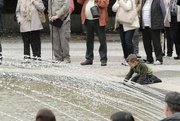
x=144, y=72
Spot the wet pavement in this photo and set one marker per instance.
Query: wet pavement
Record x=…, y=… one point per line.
x=169, y=72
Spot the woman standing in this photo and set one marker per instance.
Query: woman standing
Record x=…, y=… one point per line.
x=1, y=28
x=30, y=26
x=126, y=29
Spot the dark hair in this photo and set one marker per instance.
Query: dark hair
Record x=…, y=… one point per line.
x=131, y=58
x=122, y=116
x=174, y=107
x=45, y=115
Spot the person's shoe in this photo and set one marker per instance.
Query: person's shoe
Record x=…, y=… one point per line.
x=157, y=63
x=138, y=56
x=177, y=57
x=87, y=62
x=149, y=62
x=1, y=58
x=27, y=59
x=67, y=61
x=39, y=58
x=124, y=63
x=56, y=61
x=103, y=63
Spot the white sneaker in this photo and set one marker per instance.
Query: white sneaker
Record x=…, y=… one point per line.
x=125, y=63
x=157, y=63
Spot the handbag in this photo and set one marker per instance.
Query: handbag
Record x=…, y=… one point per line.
x=124, y=16
x=95, y=11
x=58, y=22
x=42, y=17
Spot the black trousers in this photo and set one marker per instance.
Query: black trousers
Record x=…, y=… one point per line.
x=151, y=40
x=91, y=27
x=0, y=49
x=32, y=39
x=170, y=42
x=175, y=32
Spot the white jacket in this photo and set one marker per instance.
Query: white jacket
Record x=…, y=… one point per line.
x=126, y=5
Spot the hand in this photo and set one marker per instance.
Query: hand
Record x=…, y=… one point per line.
x=53, y=18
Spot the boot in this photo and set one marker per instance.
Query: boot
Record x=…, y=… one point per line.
x=1, y=58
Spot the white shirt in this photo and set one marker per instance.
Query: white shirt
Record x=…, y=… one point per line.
x=88, y=13
x=146, y=13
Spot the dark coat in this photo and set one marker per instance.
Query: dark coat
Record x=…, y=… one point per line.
x=174, y=117
x=157, y=14
x=1, y=7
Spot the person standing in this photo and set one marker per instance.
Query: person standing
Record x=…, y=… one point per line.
x=126, y=29
x=97, y=25
x=172, y=106
x=170, y=41
x=60, y=9
x=152, y=22
x=136, y=33
x=173, y=16
x=30, y=26
x=1, y=27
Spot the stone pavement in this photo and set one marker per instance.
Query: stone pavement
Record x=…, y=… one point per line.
x=169, y=72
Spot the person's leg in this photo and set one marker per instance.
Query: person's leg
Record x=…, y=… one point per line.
x=26, y=42
x=136, y=42
x=36, y=44
x=89, y=24
x=175, y=32
x=100, y=30
x=65, y=38
x=128, y=40
x=169, y=42
x=135, y=78
x=157, y=45
x=147, y=44
x=123, y=43
x=56, y=43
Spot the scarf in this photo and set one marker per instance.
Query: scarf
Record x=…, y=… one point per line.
x=25, y=7
x=173, y=7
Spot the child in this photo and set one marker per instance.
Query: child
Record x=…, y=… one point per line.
x=144, y=72
x=122, y=116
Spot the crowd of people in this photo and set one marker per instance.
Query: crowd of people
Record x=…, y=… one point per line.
x=151, y=16
x=171, y=111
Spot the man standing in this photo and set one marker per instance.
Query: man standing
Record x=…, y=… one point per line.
x=172, y=107
x=59, y=9
x=152, y=22
x=97, y=25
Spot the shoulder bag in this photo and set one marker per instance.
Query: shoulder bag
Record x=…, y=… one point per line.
x=95, y=11
x=124, y=16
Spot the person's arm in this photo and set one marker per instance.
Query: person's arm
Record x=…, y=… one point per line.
x=143, y=73
x=126, y=5
x=71, y=6
x=163, y=7
x=18, y=15
x=138, y=6
x=38, y=5
x=130, y=73
x=1, y=4
x=102, y=3
x=81, y=1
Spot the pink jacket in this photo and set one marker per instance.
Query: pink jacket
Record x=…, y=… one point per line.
x=102, y=4
x=71, y=6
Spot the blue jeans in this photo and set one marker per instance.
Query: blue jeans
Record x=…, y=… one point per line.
x=126, y=41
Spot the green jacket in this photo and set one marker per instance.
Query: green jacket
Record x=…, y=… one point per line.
x=141, y=69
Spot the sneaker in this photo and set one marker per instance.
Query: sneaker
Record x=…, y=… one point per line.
x=56, y=61
x=177, y=57
x=125, y=63
x=87, y=62
x=66, y=61
x=149, y=62
x=103, y=63
x=157, y=63
x=138, y=56
x=27, y=59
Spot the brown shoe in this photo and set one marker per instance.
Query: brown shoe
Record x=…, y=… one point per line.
x=87, y=62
